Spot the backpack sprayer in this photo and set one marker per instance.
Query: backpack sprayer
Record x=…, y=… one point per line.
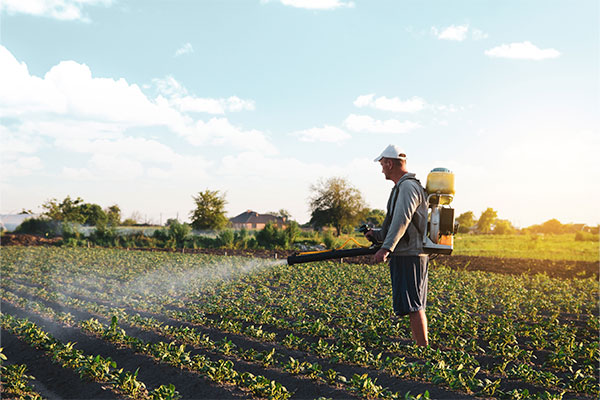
x=439, y=231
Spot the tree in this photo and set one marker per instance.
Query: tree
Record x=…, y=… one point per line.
x=375, y=217
x=92, y=214
x=113, y=214
x=282, y=213
x=210, y=210
x=503, y=227
x=466, y=221
x=75, y=211
x=68, y=210
x=488, y=217
x=335, y=202
x=552, y=226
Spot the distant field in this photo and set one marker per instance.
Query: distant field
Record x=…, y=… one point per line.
x=551, y=247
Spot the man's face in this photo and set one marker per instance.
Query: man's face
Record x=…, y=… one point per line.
x=386, y=167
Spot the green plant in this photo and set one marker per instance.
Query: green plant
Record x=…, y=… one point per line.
x=226, y=238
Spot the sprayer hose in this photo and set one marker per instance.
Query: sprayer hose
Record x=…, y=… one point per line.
x=339, y=248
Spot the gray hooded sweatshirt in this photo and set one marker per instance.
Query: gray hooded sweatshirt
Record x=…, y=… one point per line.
x=405, y=222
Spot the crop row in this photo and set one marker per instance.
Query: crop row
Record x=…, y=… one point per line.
x=360, y=383
x=15, y=381
x=367, y=332
x=95, y=368
x=527, y=328
x=220, y=371
x=440, y=372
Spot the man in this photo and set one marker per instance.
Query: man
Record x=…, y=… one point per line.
x=401, y=236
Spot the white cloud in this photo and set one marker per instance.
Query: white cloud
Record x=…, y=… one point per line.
x=330, y=134
x=178, y=97
x=82, y=174
x=15, y=165
x=522, y=51
x=136, y=148
x=58, y=9
x=365, y=123
x=393, y=104
x=115, y=167
x=234, y=103
x=219, y=131
x=72, y=106
x=185, y=49
x=315, y=4
x=478, y=34
x=184, y=168
x=452, y=32
x=69, y=90
x=458, y=33
x=211, y=106
x=258, y=166
x=17, y=141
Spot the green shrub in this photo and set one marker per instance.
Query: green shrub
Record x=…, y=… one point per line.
x=226, y=238
x=292, y=232
x=39, y=226
x=329, y=240
x=203, y=242
x=161, y=235
x=178, y=232
x=139, y=240
x=240, y=239
x=70, y=231
x=582, y=236
x=103, y=236
x=70, y=242
x=270, y=237
x=251, y=243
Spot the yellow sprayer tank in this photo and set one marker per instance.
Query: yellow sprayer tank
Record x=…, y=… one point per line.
x=441, y=181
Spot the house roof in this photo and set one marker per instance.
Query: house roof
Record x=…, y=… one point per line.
x=252, y=217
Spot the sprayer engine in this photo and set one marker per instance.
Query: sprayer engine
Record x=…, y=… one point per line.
x=438, y=236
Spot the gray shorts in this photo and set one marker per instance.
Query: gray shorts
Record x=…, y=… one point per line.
x=409, y=283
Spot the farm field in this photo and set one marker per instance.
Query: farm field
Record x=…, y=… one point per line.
x=548, y=247
x=109, y=323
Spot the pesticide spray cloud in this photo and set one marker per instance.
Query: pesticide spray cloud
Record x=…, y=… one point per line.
x=159, y=279
x=179, y=281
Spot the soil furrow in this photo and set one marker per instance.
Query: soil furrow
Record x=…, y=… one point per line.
x=188, y=384
x=52, y=381
x=295, y=384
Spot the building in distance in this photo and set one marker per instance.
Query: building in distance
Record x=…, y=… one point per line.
x=252, y=220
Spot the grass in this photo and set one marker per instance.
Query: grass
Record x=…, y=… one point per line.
x=551, y=247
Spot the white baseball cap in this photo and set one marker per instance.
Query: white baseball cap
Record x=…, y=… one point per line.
x=392, y=151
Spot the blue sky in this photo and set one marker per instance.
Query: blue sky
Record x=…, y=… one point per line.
x=146, y=103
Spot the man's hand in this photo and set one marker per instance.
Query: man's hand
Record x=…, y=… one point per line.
x=381, y=255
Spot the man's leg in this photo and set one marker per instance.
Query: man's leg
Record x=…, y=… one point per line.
x=418, y=326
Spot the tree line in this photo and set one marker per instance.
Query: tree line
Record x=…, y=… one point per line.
x=333, y=203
